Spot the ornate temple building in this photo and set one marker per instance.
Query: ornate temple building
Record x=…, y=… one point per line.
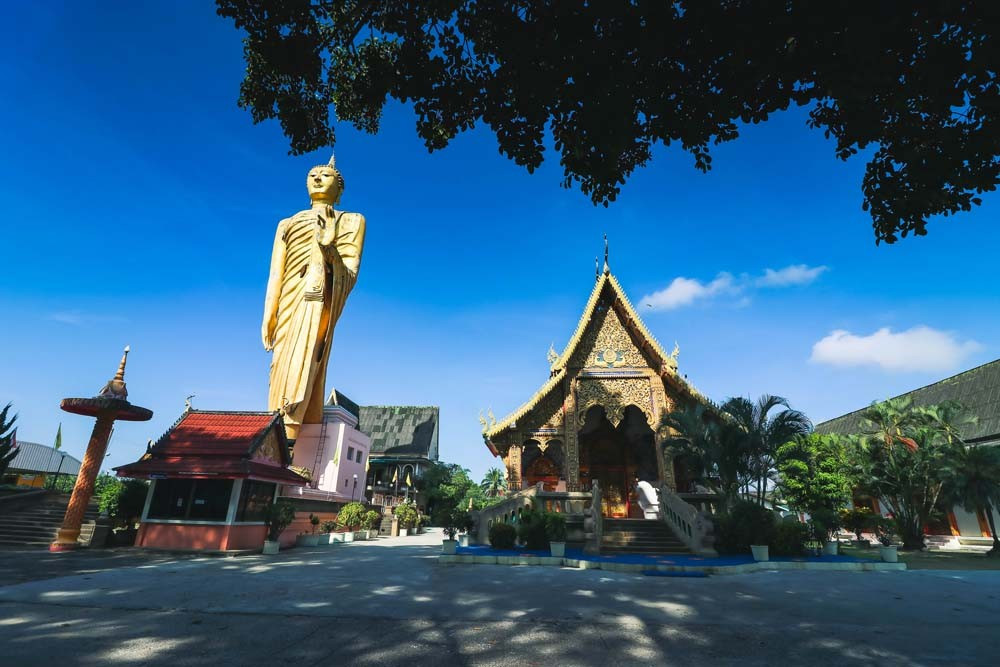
x=598, y=415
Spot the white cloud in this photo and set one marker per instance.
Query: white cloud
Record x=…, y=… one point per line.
x=685, y=291
x=67, y=317
x=918, y=349
x=796, y=274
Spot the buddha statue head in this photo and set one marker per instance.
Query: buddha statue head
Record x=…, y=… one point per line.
x=325, y=183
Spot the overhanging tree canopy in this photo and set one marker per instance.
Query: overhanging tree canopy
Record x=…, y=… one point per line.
x=916, y=82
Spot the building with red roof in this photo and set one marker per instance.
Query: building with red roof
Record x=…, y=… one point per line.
x=212, y=474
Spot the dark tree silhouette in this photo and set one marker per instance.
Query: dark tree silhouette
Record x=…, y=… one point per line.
x=603, y=82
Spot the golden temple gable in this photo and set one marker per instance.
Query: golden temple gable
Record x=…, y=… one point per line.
x=598, y=415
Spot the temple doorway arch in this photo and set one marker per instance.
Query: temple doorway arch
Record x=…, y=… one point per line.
x=617, y=456
x=543, y=462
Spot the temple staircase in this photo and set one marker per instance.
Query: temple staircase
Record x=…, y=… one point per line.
x=34, y=523
x=640, y=536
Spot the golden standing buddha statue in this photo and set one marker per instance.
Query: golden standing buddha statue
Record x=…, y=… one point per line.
x=314, y=265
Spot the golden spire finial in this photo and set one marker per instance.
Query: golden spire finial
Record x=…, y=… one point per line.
x=115, y=388
x=597, y=268
x=333, y=161
x=607, y=269
x=120, y=375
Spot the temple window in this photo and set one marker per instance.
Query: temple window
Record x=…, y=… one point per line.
x=198, y=499
x=350, y=453
x=254, y=498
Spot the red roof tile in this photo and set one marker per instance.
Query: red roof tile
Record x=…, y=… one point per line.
x=215, y=444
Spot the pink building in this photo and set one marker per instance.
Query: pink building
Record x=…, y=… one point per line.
x=336, y=454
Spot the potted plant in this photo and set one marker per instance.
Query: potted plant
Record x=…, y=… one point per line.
x=555, y=530
x=372, y=520
x=451, y=528
x=857, y=521
x=757, y=526
x=468, y=525
x=328, y=532
x=407, y=515
x=310, y=539
x=277, y=517
x=883, y=531
x=825, y=523
x=350, y=519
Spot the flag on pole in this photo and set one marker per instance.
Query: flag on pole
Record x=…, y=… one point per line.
x=58, y=443
x=408, y=482
x=395, y=476
x=368, y=463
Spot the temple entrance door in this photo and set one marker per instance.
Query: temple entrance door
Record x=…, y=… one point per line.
x=616, y=457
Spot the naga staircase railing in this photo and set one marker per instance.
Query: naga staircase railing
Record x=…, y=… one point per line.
x=691, y=525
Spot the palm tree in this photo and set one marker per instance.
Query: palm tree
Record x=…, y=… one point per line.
x=765, y=433
x=8, y=439
x=714, y=446
x=494, y=484
x=889, y=421
x=975, y=484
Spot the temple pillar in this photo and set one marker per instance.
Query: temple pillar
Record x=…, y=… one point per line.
x=572, y=440
x=514, y=467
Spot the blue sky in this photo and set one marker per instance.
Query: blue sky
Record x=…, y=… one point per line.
x=139, y=205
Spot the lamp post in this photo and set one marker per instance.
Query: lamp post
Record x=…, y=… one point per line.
x=355, y=486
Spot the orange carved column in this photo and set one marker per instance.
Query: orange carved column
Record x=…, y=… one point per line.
x=84, y=488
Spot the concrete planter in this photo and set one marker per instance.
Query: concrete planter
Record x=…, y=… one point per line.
x=448, y=547
x=830, y=547
x=372, y=533
x=270, y=548
x=360, y=535
x=889, y=554
x=327, y=538
x=558, y=549
x=348, y=537
x=759, y=552
x=307, y=540
x=463, y=540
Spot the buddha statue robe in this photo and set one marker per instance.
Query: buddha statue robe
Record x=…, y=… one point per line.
x=314, y=265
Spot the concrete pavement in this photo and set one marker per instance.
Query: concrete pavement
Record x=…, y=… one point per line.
x=390, y=602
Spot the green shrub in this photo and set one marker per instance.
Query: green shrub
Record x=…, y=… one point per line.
x=123, y=499
x=329, y=526
x=502, y=536
x=555, y=527
x=746, y=523
x=351, y=515
x=372, y=519
x=790, y=539
x=407, y=515
x=531, y=530
x=824, y=523
x=277, y=517
x=857, y=520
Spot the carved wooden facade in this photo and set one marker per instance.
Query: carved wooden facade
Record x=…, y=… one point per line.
x=611, y=362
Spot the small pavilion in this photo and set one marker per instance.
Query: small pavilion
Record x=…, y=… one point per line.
x=212, y=474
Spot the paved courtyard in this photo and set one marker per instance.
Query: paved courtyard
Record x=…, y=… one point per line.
x=390, y=603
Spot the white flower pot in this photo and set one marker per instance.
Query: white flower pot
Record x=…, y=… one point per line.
x=759, y=552
x=270, y=548
x=830, y=548
x=463, y=540
x=889, y=554
x=558, y=549
x=448, y=547
x=403, y=532
x=348, y=536
x=307, y=540
x=327, y=538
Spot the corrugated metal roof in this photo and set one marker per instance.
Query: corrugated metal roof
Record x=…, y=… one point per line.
x=401, y=430
x=34, y=457
x=978, y=389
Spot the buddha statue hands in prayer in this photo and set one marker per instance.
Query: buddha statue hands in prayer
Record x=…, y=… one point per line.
x=314, y=265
